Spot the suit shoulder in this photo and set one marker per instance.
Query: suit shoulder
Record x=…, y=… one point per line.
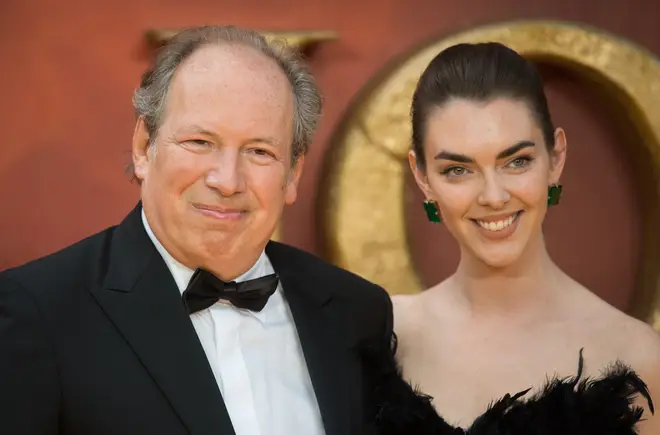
x=342, y=280
x=62, y=266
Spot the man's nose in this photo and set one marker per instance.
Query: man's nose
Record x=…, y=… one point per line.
x=226, y=174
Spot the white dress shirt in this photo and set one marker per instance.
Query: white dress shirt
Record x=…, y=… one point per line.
x=256, y=358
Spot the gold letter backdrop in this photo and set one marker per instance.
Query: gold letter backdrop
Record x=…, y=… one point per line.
x=363, y=205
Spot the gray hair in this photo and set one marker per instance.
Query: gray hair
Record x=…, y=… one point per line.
x=150, y=99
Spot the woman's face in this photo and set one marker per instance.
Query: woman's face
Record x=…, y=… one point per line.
x=488, y=168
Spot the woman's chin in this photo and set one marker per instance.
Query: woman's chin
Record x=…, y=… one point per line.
x=499, y=257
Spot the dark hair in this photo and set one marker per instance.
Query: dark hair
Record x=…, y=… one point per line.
x=479, y=72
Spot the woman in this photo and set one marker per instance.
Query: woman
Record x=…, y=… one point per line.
x=488, y=159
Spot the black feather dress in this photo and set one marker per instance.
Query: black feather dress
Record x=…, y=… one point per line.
x=569, y=406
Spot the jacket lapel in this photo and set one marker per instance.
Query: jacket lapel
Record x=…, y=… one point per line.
x=140, y=297
x=326, y=355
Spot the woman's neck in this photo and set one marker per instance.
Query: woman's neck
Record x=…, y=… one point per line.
x=527, y=289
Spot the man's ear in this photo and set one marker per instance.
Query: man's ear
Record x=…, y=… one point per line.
x=291, y=187
x=140, y=149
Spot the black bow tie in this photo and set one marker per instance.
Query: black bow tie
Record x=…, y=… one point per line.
x=205, y=289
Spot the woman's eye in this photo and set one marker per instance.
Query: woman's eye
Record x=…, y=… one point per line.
x=454, y=171
x=520, y=162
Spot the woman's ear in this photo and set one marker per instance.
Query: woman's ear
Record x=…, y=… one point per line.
x=558, y=156
x=420, y=175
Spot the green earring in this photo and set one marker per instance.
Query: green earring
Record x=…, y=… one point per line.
x=554, y=194
x=432, y=211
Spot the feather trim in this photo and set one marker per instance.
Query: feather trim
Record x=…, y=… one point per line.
x=564, y=406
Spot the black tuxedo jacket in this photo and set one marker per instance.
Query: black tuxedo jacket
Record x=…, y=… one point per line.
x=94, y=340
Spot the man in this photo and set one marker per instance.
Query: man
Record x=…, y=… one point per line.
x=142, y=328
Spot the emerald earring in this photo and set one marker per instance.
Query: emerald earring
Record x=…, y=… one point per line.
x=432, y=211
x=554, y=194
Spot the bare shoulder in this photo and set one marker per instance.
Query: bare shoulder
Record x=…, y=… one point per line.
x=641, y=352
x=406, y=313
x=608, y=328
x=413, y=312
x=641, y=340
x=409, y=321
x=633, y=340
x=634, y=343
x=639, y=346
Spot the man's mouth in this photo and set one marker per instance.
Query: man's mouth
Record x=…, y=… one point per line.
x=220, y=212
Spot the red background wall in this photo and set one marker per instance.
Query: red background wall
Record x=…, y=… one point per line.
x=69, y=68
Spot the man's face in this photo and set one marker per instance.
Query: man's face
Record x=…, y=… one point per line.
x=216, y=178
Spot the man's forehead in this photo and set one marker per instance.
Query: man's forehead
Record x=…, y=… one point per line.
x=239, y=73
x=227, y=59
